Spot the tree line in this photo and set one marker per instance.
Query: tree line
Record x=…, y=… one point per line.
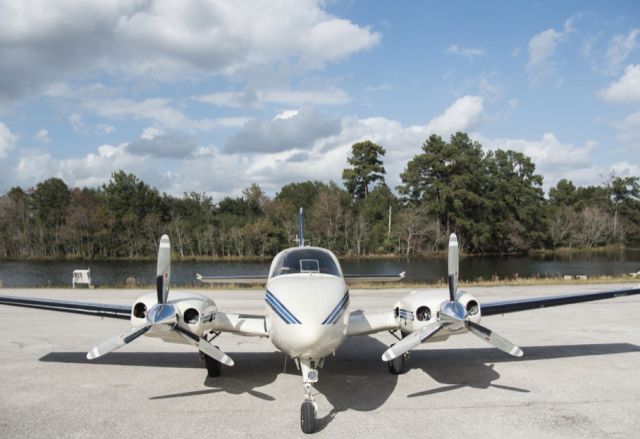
x=493, y=200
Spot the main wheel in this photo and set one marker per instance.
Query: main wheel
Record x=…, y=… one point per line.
x=396, y=366
x=214, y=367
x=308, y=417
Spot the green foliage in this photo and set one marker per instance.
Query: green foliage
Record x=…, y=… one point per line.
x=366, y=159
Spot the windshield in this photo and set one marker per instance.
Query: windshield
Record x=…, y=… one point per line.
x=305, y=260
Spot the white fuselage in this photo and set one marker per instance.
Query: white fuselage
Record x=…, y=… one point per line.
x=307, y=314
x=306, y=303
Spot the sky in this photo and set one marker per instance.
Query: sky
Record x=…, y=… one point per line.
x=212, y=96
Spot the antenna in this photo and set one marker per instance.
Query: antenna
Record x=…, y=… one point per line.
x=300, y=228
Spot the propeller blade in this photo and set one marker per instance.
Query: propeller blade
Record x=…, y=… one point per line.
x=205, y=346
x=163, y=272
x=494, y=339
x=117, y=342
x=411, y=341
x=454, y=266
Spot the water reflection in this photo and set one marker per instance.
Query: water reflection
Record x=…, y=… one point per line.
x=116, y=273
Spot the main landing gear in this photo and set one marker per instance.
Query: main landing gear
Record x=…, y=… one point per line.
x=309, y=408
x=397, y=366
x=214, y=367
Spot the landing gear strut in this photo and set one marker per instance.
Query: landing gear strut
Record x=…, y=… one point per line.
x=309, y=408
x=397, y=365
x=214, y=367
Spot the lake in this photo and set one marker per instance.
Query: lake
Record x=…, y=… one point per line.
x=115, y=273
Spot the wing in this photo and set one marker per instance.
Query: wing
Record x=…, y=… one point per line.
x=367, y=278
x=231, y=279
x=96, y=309
x=362, y=323
x=241, y=324
x=508, y=306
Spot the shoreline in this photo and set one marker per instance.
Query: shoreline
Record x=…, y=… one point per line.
x=533, y=281
x=560, y=252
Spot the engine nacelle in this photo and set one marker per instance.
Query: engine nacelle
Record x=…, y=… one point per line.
x=420, y=308
x=195, y=312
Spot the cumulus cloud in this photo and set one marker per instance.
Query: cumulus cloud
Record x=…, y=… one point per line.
x=625, y=89
x=7, y=140
x=465, y=114
x=297, y=130
x=159, y=38
x=553, y=158
x=467, y=52
x=91, y=170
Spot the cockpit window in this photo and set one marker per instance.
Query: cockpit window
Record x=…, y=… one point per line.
x=305, y=260
x=309, y=266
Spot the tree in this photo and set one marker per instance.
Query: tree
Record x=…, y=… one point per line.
x=129, y=201
x=450, y=179
x=516, y=202
x=367, y=168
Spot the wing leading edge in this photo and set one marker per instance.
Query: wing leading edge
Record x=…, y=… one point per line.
x=96, y=309
x=508, y=306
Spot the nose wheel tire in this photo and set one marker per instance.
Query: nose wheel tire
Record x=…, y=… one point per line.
x=308, y=417
x=397, y=365
x=214, y=367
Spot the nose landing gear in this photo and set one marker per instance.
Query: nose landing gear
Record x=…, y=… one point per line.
x=309, y=408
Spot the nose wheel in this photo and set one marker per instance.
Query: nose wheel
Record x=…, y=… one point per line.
x=309, y=408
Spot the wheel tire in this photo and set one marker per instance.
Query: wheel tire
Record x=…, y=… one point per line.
x=214, y=367
x=307, y=417
x=396, y=366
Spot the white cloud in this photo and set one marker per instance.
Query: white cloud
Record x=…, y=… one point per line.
x=619, y=49
x=553, y=159
x=7, y=140
x=464, y=114
x=625, y=89
x=467, y=52
x=158, y=39
x=42, y=136
x=159, y=111
x=291, y=130
x=163, y=146
x=278, y=96
x=541, y=50
x=629, y=130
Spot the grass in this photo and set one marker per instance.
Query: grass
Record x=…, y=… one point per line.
x=533, y=281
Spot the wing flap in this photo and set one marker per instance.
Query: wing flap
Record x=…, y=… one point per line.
x=361, y=323
x=87, y=308
x=508, y=306
x=241, y=324
x=227, y=280
x=373, y=278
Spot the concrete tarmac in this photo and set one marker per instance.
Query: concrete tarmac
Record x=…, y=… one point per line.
x=579, y=377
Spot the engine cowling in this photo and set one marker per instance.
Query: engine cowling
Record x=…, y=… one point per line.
x=195, y=312
x=420, y=308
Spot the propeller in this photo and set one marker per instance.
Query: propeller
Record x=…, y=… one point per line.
x=162, y=317
x=452, y=316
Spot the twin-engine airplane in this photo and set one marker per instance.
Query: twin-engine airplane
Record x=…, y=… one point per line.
x=306, y=315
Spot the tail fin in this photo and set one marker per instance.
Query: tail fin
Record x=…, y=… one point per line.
x=300, y=236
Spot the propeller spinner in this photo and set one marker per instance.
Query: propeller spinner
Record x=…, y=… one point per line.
x=453, y=316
